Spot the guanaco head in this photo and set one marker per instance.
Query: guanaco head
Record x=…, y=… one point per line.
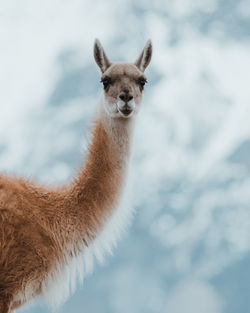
x=123, y=83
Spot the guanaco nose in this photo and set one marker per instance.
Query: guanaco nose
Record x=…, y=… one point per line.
x=125, y=95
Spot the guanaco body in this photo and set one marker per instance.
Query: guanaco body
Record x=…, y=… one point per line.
x=48, y=236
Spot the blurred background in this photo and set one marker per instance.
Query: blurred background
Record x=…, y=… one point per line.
x=188, y=247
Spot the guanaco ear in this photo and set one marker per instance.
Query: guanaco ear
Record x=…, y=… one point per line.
x=144, y=59
x=100, y=56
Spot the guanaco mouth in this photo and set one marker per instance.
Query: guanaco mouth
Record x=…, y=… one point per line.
x=126, y=112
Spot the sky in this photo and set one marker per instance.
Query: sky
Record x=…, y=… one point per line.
x=187, y=248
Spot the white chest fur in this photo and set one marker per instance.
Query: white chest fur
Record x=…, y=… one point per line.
x=64, y=279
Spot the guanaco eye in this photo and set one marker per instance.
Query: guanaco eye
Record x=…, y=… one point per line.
x=142, y=81
x=107, y=81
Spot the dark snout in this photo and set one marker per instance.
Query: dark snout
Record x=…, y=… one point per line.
x=126, y=106
x=125, y=96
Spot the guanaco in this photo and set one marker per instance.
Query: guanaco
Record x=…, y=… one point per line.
x=49, y=236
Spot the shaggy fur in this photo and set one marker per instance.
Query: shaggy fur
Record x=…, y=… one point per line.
x=48, y=236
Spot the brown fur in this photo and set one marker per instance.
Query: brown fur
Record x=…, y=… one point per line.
x=39, y=226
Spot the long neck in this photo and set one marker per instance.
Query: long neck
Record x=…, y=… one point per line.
x=98, y=187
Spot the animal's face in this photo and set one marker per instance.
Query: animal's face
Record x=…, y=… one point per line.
x=122, y=83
